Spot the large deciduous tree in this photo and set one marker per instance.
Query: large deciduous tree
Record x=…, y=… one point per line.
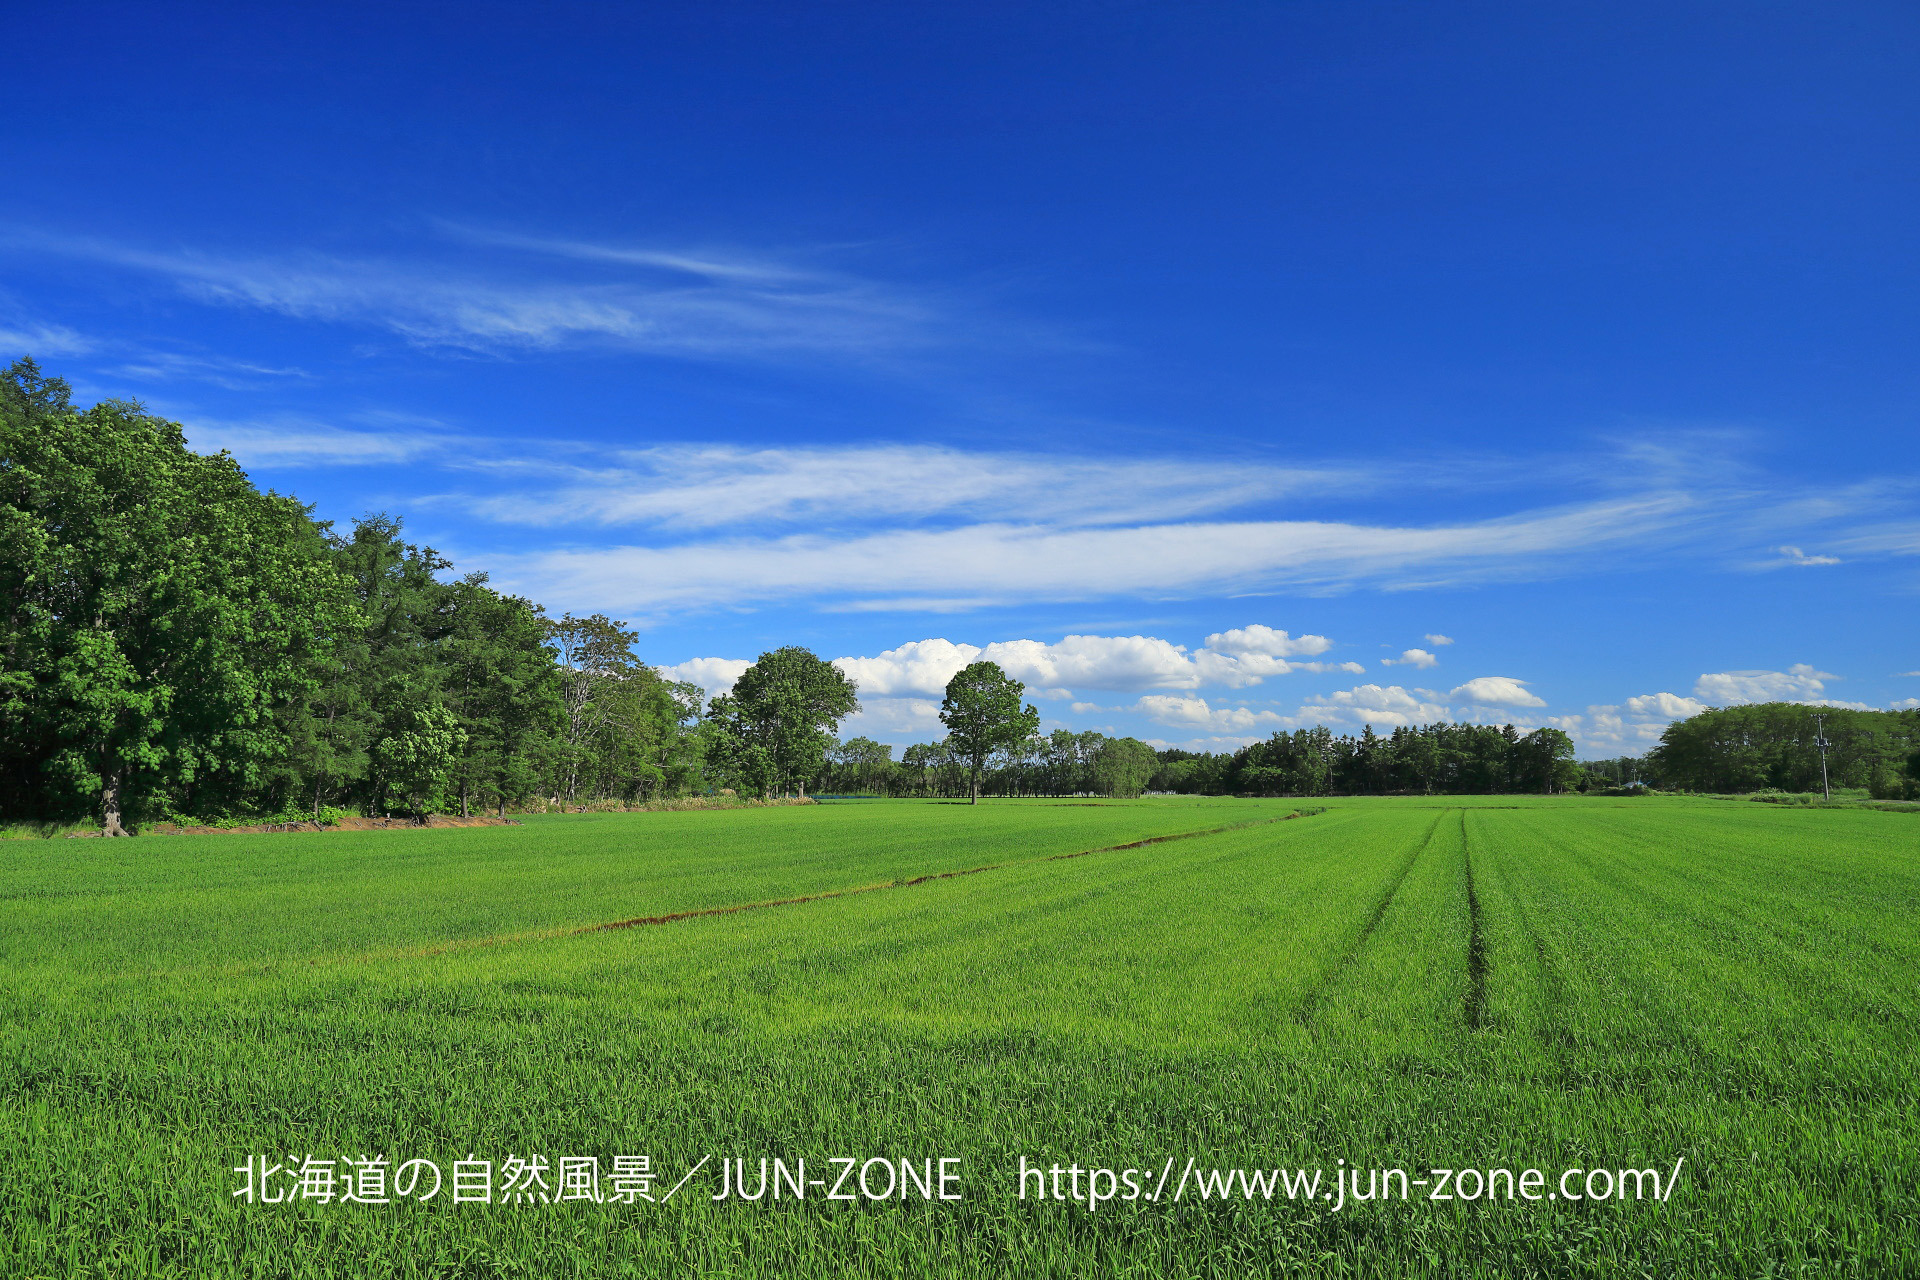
x=983, y=714
x=158, y=613
x=774, y=728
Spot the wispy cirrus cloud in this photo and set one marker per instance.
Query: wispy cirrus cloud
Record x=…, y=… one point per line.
x=304, y=442
x=991, y=562
x=704, y=487
x=696, y=304
x=40, y=340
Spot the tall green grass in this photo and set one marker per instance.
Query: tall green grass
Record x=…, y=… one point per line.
x=1409, y=983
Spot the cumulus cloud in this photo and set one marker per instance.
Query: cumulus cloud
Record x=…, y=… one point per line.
x=1603, y=731
x=1497, y=691
x=894, y=717
x=1088, y=662
x=1195, y=713
x=1376, y=704
x=1264, y=641
x=1433, y=639
x=1412, y=658
x=1798, y=683
x=1906, y=704
x=715, y=675
x=1670, y=706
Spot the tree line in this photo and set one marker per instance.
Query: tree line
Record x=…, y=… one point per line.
x=1773, y=746
x=1455, y=759
x=1062, y=763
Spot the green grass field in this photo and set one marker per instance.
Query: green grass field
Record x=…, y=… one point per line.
x=1444, y=983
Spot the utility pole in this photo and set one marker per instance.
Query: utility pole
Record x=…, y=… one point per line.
x=1820, y=741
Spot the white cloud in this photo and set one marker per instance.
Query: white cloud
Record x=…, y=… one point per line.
x=1669, y=706
x=1375, y=704
x=1497, y=691
x=1604, y=732
x=700, y=487
x=990, y=562
x=1795, y=556
x=1096, y=662
x=1906, y=704
x=173, y=366
x=299, y=442
x=1433, y=639
x=715, y=675
x=894, y=717
x=1081, y=661
x=683, y=303
x=1797, y=683
x=1909, y=673
x=1412, y=658
x=1265, y=642
x=1195, y=713
x=40, y=341
x=919, y=666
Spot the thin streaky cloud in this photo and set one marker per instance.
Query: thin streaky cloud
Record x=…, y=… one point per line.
x=714, y=312
x=298, y=442
x=1007, y=562
x=41, y=341
x=711, y=487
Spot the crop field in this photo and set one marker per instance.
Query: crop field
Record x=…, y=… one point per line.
x=1470, y=984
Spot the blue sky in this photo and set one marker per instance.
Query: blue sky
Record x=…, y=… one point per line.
x=1217, y=368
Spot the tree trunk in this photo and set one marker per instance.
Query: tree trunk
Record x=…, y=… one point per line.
x=976, y=788
x=463, y=799
x=110, y=805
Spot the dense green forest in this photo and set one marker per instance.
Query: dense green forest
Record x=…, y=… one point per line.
x=177, y=645
x=1458, y=759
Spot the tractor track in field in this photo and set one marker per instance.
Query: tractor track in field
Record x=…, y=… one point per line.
x=735, y=909
x=1304, y=1011
x=1476, y=995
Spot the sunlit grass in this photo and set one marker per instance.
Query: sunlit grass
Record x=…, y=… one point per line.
x=1727, y=983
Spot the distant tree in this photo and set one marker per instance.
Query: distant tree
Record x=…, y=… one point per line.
x=983, y=714
x=594, y=655
x=1123, y=767
x=1542, y=762
x=774, y=728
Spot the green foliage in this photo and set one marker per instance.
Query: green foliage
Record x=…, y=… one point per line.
x=772, y=732
x=983, y=713
x=417, y=757
x=175, y=643
x=1732, y=750
x=1123, y=767
x=160, y=611
x=1449, y=759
